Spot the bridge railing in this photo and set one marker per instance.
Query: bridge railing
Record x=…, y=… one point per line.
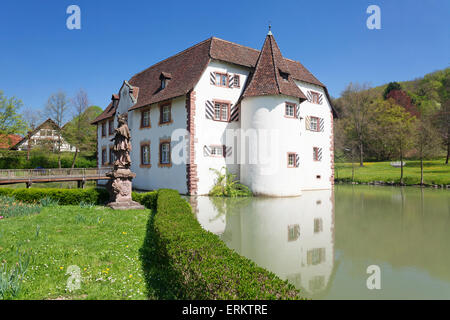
x=14, y=174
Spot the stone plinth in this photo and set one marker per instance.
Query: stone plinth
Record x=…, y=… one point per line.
x=119, y=187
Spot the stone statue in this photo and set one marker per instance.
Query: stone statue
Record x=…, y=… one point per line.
x=119, y=185
x=122, y=145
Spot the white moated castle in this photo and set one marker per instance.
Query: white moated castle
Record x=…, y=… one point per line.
x=218, y=104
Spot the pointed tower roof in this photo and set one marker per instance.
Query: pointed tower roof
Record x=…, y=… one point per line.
x=272, y=75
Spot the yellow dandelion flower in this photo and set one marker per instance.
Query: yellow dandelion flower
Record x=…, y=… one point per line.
x=61, y=268
x=131, y=275
x=124, y=232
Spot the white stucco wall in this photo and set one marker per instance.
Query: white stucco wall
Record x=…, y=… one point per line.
x=309, y=139
x=156, y=177
x=265, y=169
x=210, y=132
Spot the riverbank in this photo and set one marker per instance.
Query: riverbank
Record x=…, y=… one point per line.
x=436, y=173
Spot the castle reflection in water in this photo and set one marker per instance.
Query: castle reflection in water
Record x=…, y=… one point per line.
x=292, y=237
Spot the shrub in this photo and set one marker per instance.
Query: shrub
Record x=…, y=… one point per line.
x=227, y=185
x=147, y=199
x=183, y=261
x=44, y=159
x=62, y=196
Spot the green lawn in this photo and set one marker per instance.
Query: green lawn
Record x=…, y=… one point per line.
x=104, y=244
x=435, y=172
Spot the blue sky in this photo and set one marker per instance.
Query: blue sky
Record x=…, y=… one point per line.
x=39, y=55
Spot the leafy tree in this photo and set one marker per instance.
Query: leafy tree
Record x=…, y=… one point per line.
x=356, y=109
x=32, y=118
x=426, y=140
x=395, y=127
x=75, y=131
x=57, y=108
x=80, y=133
x=442, y=118
x=11, y=121
x=391, y=86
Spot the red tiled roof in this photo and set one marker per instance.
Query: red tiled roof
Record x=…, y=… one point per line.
x=6, y=141
x=267, y=79
x=186, y=67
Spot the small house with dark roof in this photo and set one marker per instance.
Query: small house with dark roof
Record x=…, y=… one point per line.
x=47, y=133
x=217, y=104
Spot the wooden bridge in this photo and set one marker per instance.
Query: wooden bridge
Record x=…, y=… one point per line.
x=30, y=176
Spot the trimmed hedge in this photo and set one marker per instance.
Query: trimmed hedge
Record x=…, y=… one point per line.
x=183, y=261
x=63, y=196
x=147, y=199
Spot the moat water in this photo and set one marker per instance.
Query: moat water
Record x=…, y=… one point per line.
x=323, y=241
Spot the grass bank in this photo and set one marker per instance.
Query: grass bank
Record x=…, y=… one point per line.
x=157, y=253
x=101, y=243
x=435, y=172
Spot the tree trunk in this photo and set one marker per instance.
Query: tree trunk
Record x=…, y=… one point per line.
x=448, y=152
x=361, y=156
x=28, y=150
x=59, y=152
x=421, y=170
x=401, y=166
x=74, y=158
x=353, y=168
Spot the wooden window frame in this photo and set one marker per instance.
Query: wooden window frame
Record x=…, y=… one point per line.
x=317, y=125
x=103, y=128
x=142, y=119
x=111, y=128
x=318, y=225
x=289, y=154
x=161, y=107
x=142, y=164
x=105, y=158
x=220, y=82
x=316, y=154
x=238, y=78
x=161, y=142
x=286, y=104
x=315, y=96
x=222, y=102
x=220, y=146
x=111, y=154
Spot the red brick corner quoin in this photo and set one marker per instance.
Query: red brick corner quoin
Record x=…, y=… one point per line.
x=191, y=167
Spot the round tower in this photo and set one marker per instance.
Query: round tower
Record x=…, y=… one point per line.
x=271, y=127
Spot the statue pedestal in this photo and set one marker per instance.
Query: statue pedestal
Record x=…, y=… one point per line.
x=119, y=187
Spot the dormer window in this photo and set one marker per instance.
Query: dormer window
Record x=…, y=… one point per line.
x=165, y=78
x=284, y=75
